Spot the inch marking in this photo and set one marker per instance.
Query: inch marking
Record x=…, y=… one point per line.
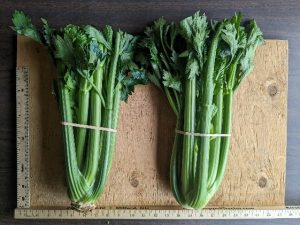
x=221, y=213
x=22, y=100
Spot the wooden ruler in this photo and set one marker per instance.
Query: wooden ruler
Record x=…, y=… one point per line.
x=22, y=101
x=210, y=213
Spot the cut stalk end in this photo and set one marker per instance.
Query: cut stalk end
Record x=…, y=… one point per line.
x=83, y=206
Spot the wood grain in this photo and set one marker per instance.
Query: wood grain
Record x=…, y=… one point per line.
x=139, y=177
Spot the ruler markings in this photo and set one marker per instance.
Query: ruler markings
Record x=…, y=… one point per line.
x=22, y=117
x=224, y=213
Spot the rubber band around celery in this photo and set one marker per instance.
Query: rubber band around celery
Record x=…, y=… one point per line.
x=201, y=135
x=89, y=127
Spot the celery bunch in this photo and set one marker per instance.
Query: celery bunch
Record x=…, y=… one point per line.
x=95, y=72
x=199, y=65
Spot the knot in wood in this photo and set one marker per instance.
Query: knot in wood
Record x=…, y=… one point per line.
x=262, y=182
x=272, y=90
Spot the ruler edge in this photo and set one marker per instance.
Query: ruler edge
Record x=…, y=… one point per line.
x=26, y=202
x=107, y=214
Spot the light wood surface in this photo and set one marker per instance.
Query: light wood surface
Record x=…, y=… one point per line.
x=255, y=175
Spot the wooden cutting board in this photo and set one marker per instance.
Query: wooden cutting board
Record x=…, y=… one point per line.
x=255, y=175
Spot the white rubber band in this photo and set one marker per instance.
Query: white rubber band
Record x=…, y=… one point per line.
x=88, y=127
x=201, y=135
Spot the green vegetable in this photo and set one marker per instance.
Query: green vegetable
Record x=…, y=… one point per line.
x=96, y=71
x=199, y=65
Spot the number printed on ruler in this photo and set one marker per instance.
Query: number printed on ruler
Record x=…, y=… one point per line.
x=22, y=100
